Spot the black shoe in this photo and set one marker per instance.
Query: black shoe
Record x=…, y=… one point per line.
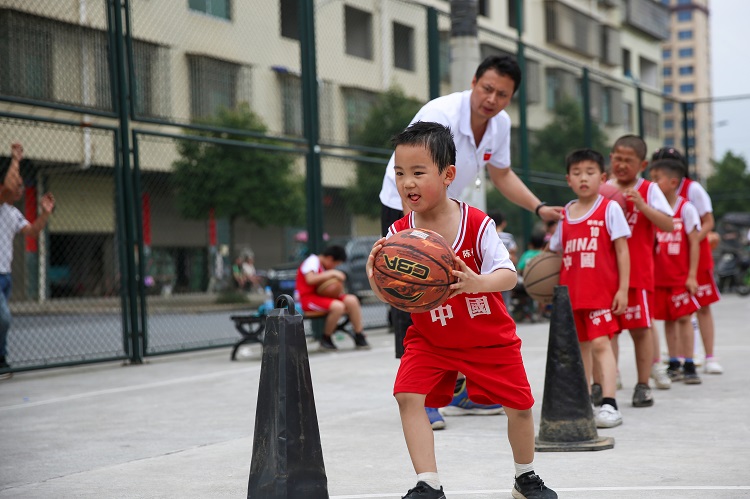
x=326, y=343
x=530, y=486
x=360, y=341
x=642, y=396
x=5, y=371
x=424, y=491
x=690, y=376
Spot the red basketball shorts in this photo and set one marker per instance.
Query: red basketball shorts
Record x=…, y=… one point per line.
x=591, y=324
x=638, y=313
x=671, y=303
x=707, y=292
x=434, y=373
x=317, y=303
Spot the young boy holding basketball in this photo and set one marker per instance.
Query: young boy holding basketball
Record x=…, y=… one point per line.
x=314, y=271
x=676, y=276
x=646, y=210
x=592, y=238
x=471, y=332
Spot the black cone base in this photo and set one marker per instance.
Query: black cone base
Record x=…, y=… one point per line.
x=567, y=422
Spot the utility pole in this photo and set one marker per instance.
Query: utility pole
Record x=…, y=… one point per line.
x=464, y=62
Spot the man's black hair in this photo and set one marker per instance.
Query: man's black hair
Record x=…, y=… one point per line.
x=436, y=138
x=505, y=65
x=338, y=253
x=584, y=155
x=669, y=166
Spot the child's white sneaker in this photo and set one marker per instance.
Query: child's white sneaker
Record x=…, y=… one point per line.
x=712, y=366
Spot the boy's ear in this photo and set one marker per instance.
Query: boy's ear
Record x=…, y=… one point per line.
x=567, y=179
x=644, y=165
x=450, y=175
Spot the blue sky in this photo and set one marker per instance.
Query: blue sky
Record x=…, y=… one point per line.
x=730, y=75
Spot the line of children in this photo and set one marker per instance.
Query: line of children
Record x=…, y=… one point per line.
x=592, y=238
x=676, y=271
x=471, y=333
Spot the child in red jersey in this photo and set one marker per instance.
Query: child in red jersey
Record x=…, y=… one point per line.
x=471, y=332
x=592, y=238
x=708, y=292
x=646, y=209
x=677, y=254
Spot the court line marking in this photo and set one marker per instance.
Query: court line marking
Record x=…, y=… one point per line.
x=568, y=489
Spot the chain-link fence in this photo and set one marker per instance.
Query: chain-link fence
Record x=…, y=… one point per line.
x=192, y=158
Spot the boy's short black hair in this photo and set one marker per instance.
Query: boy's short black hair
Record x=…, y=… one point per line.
x=338, y=253
x=536, y=240
x=497, y=216
x=436, y=138
x=670, y=167
x=505, y=65
x=633, y=142
x=671, y=153
x=585, y=154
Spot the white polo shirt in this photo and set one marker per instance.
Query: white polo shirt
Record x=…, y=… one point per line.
x=454, y=111
x=11, y=222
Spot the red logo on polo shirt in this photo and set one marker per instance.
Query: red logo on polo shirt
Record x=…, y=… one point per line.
x=487, y=154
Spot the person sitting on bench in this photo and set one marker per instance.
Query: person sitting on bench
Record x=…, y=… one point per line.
x=314, y=271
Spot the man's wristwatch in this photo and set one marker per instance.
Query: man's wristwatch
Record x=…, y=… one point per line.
x=539, y=207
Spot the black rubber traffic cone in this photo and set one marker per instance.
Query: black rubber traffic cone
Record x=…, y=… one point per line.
x=287, y=458
x=567, y=416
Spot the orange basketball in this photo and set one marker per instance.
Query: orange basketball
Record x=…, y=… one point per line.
x=413, y=270
x=541, y=275
x=330, y=288
x=713, y=239
x=610, y=191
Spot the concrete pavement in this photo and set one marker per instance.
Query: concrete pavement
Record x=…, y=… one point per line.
x=181, y=426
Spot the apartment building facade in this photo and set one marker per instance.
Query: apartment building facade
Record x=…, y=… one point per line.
x=687, y=78
x=192, y=56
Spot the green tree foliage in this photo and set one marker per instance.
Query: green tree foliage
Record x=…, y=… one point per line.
x=729, y=185
x=391, y=113
x=547, y=151
x=258, y=185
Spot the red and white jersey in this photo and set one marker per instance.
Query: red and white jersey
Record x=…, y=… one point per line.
x=310, y=264
x=672, y=257
x=589, y=260
x=643, y=234
x=697, y=195
x=468, y=321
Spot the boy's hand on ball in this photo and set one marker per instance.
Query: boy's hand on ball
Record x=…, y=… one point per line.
x=370, y=265
x=468, y=280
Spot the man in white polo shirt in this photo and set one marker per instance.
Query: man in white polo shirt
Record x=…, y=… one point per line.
x=481, y=131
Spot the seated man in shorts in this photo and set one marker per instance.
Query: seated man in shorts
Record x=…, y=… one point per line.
x=314, y=271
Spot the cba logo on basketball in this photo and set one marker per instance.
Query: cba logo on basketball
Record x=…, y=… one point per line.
x=407, y=267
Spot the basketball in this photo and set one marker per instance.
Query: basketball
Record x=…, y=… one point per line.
x=413, y=270
x=713, y=239
x=330, y=288
x=541, y=275
x=609, y=191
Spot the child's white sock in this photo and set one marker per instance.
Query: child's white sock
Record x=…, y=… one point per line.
x=431, y=479
x=523, y=468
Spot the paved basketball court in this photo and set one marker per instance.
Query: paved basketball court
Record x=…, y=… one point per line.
x=181, y=426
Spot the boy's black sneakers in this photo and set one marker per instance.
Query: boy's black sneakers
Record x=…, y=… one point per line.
x=360, y=341
x=424, y=491
x=326, y=343
x=530, y=486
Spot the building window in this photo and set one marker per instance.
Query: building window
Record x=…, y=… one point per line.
x=684, y=2
x=686, y=52
x=445, y=56
x=668, y=141
x=684, y=15
x=611, y=51
x=666, y=54
x=403, y=46
x=685, y=34
x=483, y=8
x=687, y=88
x=667, y=89
x=560, y=85
x=612, y=106
x=627, y=116
x=668, y=124
x=358, y=32
x=572, y=29
x=686, y=70
x=668, y=107
x=667, y=71
x=216, y=8
x=358, y=104
x=650, y=123
x=152, y=82
x=291, y=105
x=626, y=69
x=213, y=85
x=289, y=19
x=512, y=14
